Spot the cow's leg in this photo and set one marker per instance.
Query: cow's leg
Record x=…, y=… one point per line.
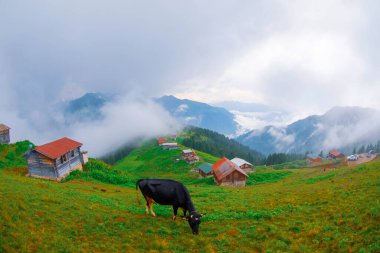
x=184, y=213
x=151, y=207
x=175, y=209
x=147, y=205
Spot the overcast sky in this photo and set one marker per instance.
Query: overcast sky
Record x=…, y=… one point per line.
x=302, y=56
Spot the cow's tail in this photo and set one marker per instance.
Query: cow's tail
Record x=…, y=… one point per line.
x=137, y=194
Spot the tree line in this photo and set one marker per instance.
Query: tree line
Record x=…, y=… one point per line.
x=219, y=145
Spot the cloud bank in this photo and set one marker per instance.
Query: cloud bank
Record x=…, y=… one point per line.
x=302, y=56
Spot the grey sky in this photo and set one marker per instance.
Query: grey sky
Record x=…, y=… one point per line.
x=303, y=56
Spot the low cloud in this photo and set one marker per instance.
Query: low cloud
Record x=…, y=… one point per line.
x=361, y=128
x=124, y=121
x=282, y=139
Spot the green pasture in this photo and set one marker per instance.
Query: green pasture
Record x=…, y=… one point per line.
x=305, y=210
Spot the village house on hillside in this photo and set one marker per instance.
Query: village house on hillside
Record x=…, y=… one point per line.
x=205, y=170
x=4, y=134
x=55, y=160
x=161, y=141
x=226, y=173
x=313, y=159
x=169, y=145
x=334, y=154
x=243, y=164
x=190, y=156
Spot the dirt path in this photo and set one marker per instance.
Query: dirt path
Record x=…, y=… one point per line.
x=362, y=159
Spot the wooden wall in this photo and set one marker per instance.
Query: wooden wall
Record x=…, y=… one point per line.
x=41, y=166
x=72, y=162
x=4, y=136
x=234, y=179
x=44, y=167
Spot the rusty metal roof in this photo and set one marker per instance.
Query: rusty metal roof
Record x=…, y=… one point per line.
x=335, y=152
x=58, y=148
x=224, y=167
x=4, y=127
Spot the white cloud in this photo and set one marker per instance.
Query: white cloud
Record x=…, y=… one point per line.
x=124, y=122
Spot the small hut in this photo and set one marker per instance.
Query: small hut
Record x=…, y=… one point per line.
x=205, y=170
x=161, y=140
x=190, y=156
x=226, y=173
x=243, y=164
x=55, y=160
x=4, y=134
x=310, y=159
x=169, y=145
x=334, y=154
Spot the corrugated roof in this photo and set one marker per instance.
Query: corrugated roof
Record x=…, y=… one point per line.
x=239, y=162
x=169, y=144
x=224, y=167
x=205, y=167
x=4, y=127
x=58, y=148
x=335, y=152
x=187, y=151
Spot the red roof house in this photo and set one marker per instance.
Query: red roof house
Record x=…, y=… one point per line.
x=56, y=159
x=227, y=173
x=335, y=154
x=161, y=140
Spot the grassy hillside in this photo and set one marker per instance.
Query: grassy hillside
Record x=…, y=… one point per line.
x=307, y=210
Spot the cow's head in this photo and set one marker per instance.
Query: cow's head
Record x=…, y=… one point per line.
x=194, y=220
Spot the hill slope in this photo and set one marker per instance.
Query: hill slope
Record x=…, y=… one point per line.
x=218, y=145
x=306, y=211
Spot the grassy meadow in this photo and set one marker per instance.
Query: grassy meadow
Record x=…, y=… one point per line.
x=303, y=210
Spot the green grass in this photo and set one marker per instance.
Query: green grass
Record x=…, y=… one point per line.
x=305, y=210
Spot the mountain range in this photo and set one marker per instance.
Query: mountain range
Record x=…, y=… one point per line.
x=200, y=114
x=340, y=127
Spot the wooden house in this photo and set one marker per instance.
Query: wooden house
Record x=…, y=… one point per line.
x=190, y=156
x=334, y=154
x=313, y=159
x=169, y=145
x=205, y=170
x=161, y=140
x=4, y=134
x=226, y=173
x=243, y=164
x=55, y=160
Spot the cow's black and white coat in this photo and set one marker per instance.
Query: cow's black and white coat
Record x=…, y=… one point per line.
x=169, y=192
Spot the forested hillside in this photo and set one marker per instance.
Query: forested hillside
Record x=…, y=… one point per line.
x=218, y=145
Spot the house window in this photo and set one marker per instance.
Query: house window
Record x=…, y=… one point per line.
x=61, y=159
x=72, y=153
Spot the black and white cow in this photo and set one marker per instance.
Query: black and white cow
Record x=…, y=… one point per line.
x=169, y=192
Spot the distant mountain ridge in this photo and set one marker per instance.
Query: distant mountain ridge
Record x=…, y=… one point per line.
x=340, y=127
x=85, y=108
x=200, y=114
